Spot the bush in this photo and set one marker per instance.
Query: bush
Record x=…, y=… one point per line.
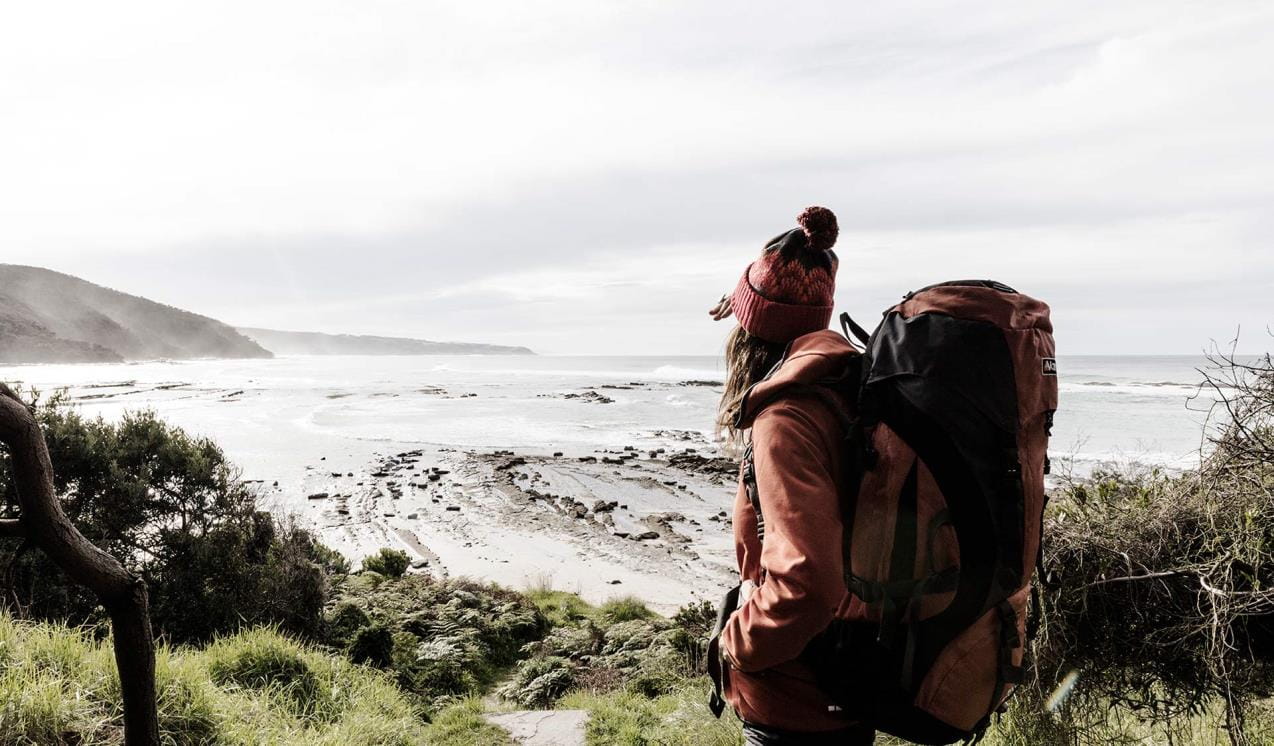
x=1160, y=591
x=697, y=619
x=172, y=508
x=448, y=637
x=538, y=682
x=392, y=563
x=343, y=622
x=373, y=645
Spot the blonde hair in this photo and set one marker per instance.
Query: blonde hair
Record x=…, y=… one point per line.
x=748, y=360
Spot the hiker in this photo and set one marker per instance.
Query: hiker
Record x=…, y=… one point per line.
x=792, y=580
x=890, y=510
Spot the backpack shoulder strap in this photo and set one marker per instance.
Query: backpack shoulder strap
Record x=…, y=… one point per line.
x=824, y=392
x=749, y=487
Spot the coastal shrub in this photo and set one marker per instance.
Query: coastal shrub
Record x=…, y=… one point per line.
x=392, y=563
x=697, y=619
x=342, y=622
x=447, y=637
x=642, y=652
x=253, y=570
x=373, y=645
x=173, y=509
x=574, y=641
x=694, y=624
x=1159, y=589
x=538, y=682
x=634, y=635
x=439, y=668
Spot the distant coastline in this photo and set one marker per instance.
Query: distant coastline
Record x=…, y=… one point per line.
x=316, y=343
x=51, y=317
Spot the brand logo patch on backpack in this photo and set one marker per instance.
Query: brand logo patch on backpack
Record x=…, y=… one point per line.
x=1050, y=366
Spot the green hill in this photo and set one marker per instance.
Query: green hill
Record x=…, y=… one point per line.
x=50, y=317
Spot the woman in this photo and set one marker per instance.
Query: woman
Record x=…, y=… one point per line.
x=792, y=582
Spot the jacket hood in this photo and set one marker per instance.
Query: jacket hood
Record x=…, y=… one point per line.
x=813, y=357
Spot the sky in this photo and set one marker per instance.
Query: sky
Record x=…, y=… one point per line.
x=589, y=177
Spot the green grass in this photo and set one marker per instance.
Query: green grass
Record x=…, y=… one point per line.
x=559, y=607
x=626, y=718
x=629, y=672
x=624, y=609
x=461, y=724
x=564, y=609
x=57, y=686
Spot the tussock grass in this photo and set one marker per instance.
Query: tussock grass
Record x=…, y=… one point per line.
x=560, y=607
x=624, y=609
x=58, y=685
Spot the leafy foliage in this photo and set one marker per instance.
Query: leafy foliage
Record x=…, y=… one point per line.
x=172, y=508
x=440, y=638
x=538, y=682
x=392, y=563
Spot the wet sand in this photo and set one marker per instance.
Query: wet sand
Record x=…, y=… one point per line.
x=654, y=524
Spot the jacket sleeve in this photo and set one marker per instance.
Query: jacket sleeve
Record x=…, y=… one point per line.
x=801, y=554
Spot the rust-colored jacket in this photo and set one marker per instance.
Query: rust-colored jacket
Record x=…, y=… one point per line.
x=800, y=461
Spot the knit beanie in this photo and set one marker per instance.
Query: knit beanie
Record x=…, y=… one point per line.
x=788, y=291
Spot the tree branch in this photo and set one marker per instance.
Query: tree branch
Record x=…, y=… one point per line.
x=122, y=593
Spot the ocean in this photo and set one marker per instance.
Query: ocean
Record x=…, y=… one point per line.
x=273, y=415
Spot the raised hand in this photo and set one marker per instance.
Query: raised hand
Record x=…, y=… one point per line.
x=722, y=310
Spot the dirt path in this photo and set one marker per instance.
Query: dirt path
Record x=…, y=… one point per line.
x=543, y=727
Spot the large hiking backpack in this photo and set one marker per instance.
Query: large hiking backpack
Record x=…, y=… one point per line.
x=948, y=433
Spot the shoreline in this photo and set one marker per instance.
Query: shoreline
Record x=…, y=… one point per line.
x=607, y=523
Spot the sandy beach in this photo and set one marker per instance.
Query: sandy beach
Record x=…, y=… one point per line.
x=605, y=523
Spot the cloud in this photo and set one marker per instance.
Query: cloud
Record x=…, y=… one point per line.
x=518, y=171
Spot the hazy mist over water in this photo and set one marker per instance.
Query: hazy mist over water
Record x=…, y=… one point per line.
x=279, y=415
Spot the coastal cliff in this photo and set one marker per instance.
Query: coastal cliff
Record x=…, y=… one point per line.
x=50, y=317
